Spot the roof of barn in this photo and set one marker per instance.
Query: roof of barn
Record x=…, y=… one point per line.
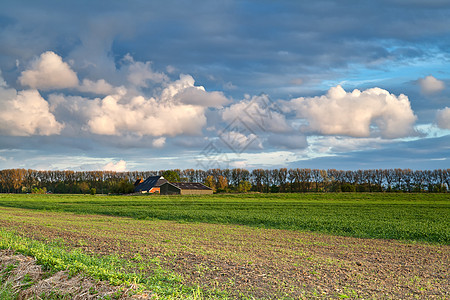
x=149, y=183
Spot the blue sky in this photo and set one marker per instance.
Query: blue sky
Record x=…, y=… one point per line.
x=149, y=85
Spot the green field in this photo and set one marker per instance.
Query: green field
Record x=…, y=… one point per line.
x=413, y=217
x=246, y=246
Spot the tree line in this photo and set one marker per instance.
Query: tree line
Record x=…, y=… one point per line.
x=230, y=180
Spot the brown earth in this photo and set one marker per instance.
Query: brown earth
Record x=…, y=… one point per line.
x=252, y=262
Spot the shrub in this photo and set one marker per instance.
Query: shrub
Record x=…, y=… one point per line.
x=347, y=187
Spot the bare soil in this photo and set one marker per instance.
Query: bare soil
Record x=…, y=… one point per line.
x=252, y=262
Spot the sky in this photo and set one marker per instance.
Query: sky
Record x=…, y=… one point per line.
x=157, y=85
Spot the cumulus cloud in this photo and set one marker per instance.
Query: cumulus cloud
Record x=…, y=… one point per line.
x=159, y=142
x=120, y=166
x=431, y=85
x=100, y=87
x=258, y=113
x=184, y=91
x=123, y=113
x=443, y=118
x=27, y=114
x=357, y=113
x=239, y=142
x=139, y=73
x=49, y=72
x=143, y=116
x=125, y=110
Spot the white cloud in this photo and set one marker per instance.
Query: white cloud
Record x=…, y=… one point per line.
x=170, y=69
x=357, y=114
x=273, y=159
x=139, y=73
x=338, y=144
x=443, y=118
x=100, y=87
x=116, y=115
x=184, y=91
x=125, y=113
x=159, y=142
x=179, y=108
x=49, y=72
x=238, y=142
x=120, y=166
x=198, y=96
x=258, y=114
x=430, y=85
x=25, y=113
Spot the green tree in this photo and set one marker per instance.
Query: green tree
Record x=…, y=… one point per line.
x=244, y=186
x=171, y=176
x=123, y=187
x=84, y=187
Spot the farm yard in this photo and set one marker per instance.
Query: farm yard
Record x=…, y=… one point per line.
x=247, y=246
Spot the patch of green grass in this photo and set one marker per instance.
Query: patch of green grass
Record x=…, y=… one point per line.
x=6, y=272
x=7, y=292
x=414, y=217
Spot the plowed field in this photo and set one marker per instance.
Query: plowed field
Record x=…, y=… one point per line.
x=253, y=262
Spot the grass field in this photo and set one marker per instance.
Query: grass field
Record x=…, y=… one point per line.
x=202, y=247
x=415, y=217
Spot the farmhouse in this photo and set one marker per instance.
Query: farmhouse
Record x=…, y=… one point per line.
x=184, y=188
x=160, y=185
x=149, y=185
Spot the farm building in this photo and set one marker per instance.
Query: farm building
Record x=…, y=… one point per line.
x=149, y=185
x=184, y=188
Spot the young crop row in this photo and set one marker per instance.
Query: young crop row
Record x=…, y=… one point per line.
x=415, y=217
x=55, y=257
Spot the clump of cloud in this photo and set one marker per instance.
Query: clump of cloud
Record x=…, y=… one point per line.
x=238, y=142
x=143, y=116
x=159, y=142
x=139, y=73
x=184, y=91
x=25, y=113
x=49, y=72
x=357, y=113
x=443, y=118
x=172, y=113
x=431, y=85
x=120, y=166
x=257, y=113
x=100, y=87
x=178, y=109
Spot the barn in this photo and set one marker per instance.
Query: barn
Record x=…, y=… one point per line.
x=184, y=188
x=150, y=185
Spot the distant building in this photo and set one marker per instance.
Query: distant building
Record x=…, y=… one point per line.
x=159, y=185
x=185, y=188
x=150, y=185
